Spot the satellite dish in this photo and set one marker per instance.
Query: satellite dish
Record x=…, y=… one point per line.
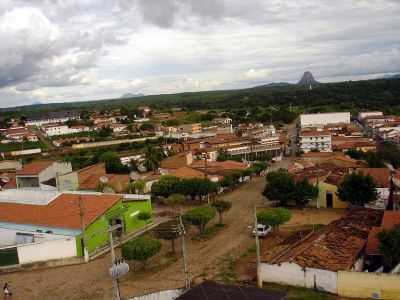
x=5, y=179
x=103, y=179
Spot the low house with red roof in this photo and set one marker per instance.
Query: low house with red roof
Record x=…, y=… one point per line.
x=46, y=225
x=42, y=174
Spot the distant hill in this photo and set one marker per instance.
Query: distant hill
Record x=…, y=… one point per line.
x=130, y=95
x=396, y=76
x=307, y=79
x=275, y=84
x=376, y=94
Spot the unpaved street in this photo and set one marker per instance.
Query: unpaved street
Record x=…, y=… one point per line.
x=91, y=281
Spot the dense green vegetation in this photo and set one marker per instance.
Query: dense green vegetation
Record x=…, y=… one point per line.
x=141, y=249
x=358, y=189
x=22, y=146
x=389, y=246
x=282, y=187
x=382, y=94
x=193, y=187
x=84, y=158
x=274, y=217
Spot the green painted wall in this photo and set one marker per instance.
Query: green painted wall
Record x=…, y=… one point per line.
x=96, y=234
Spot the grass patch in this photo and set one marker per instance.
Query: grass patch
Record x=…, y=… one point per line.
x=299, y=293
x=226, y=269
x=209, y=232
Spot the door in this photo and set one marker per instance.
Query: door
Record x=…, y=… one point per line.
x=329, y=200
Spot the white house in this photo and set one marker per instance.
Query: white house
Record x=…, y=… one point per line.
x=322, y=119
x=315, y=140
x=366, y=114
x=62, y=129
x=55, y=117
x=41, y=175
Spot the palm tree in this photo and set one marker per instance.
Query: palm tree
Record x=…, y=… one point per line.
x=153, y=157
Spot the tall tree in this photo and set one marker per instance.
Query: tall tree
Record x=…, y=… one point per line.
x=200, y=216
x=141, y=249
x=221, y=206
x=274, y=217
x=305, y=192
x=280, y=187
x=358, y=189
x=389, y=247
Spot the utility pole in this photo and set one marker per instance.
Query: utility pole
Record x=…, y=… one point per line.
x=184, y=258
x=82, y=220
x=259, y=281
x=117, y=294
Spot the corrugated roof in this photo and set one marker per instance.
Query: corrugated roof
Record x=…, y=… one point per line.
x=215, y=291
x=63, y=212
x=336, y=246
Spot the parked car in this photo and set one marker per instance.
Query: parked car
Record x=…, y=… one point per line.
x=262, y=230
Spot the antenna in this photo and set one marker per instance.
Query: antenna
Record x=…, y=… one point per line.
x=103, y=179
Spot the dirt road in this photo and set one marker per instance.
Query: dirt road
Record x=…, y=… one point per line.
x=91, y=281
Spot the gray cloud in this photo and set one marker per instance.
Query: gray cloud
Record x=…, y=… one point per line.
x=84, y=49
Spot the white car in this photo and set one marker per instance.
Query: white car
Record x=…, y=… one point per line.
x=262, y=230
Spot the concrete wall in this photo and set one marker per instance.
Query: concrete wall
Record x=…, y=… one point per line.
x=293, y=274
x=55, y=249
x=110, y=143
x=368, y=285
x=25, y=152
x=8, y=236
x=323, y=189
x=68, y=182
x=307, y=120
x=163, y=295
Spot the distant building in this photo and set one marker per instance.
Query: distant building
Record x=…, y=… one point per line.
x=18, y=135
x=62, y=129
x=365, y=114
x=315, y=140
x=55, y=117
x=322, y=119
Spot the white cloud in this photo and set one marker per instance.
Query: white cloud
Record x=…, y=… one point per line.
x=257, y=74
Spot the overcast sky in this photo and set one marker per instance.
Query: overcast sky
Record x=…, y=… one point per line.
x=74, y=50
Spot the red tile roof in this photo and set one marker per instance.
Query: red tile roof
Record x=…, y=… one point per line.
x=35, y=168
x=187, y=172
x=381, y=176
x=63, y=212
x=372, y=247
x=390, y=219
x=175, y=162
